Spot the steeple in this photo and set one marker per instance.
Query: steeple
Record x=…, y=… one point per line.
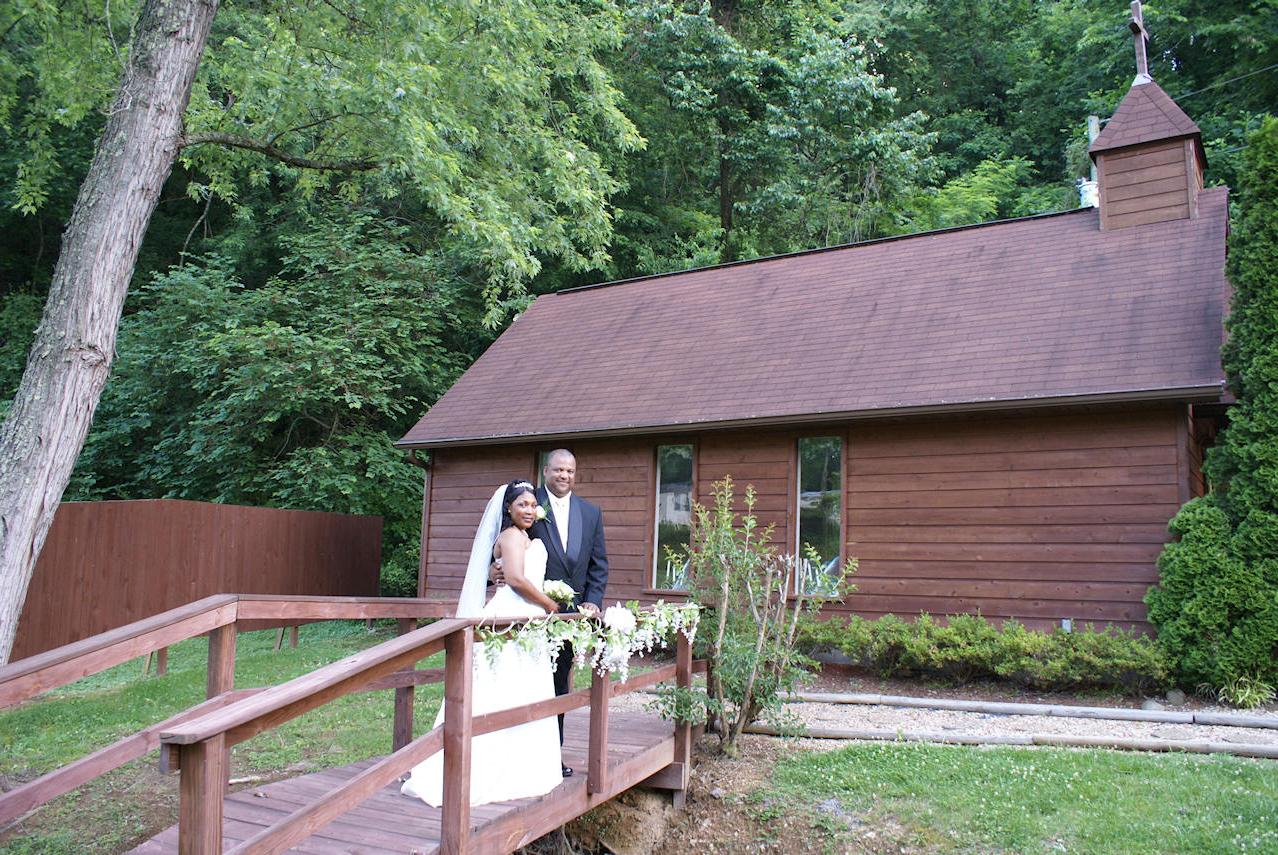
x=1149, y=158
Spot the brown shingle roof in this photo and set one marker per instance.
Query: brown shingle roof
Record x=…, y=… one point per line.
x=1146, y=114
x=1040, y=308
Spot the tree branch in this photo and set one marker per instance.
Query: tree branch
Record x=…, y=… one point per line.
x=233, y=141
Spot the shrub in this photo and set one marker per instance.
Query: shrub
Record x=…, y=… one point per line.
x=1216, y=603
x=968, y=647
x=748, y=633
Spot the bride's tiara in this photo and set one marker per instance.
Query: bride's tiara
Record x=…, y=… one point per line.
x=519, y=484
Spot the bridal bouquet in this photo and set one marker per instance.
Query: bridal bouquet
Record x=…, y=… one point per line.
x=559, y=591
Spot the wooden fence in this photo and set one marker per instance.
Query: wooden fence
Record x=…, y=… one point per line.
x=106, y=564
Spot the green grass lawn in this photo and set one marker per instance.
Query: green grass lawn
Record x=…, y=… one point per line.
x=935, y=798
x=963, y=799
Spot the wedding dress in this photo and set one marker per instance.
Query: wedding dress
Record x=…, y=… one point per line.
x=521, y=761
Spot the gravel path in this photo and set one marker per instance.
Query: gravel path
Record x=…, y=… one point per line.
x=914, y=720
x=867, y=717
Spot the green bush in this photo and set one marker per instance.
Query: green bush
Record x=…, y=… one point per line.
x=969, y=647
x=1216, y=603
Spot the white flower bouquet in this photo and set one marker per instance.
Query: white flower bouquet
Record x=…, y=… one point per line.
x=559, y=591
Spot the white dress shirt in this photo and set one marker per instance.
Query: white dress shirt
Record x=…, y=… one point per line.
x=560, y=508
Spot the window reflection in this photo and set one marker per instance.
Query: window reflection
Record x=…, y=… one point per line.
x=820, y=512
x=673, y=515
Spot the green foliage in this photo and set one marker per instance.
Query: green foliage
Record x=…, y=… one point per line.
x=289, y=394
x=1245, y=692
x=968, y=647
x=767, y=131
x=754, y=608
x=1216, y=603
x=497, y=118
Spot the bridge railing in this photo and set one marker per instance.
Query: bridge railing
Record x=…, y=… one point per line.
x=218, y=617
x=200, y=747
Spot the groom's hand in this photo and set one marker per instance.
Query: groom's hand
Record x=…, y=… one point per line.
x=495, y=576
x=589, y=610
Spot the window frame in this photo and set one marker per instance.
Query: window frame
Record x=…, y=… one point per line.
x=796, y=481
x=650, y=571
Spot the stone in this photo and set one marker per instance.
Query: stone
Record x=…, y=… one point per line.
x=1151, y=705
x=632, y=824
x=717, y=793
x=1175, y=697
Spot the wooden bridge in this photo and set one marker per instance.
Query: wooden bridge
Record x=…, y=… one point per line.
x=357, y=807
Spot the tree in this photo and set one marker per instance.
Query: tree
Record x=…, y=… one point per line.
x=1216, y=603
x=288, y=393
x=71, y=357
x=767, y=132
x=496, y=116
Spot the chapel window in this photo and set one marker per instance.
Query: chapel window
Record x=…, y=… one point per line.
x=672, y=530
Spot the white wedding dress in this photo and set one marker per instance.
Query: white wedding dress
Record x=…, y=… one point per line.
x=521, y=761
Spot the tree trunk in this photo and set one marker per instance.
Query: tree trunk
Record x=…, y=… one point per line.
x=75, y=343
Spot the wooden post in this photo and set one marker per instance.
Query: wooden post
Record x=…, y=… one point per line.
x=221, y=675
x=292, y=636
x=459, y=649
x=204, y=774
x=403, y=732
x=683, y=679
x=597, y=759
x=279, y=639
x=161, y=662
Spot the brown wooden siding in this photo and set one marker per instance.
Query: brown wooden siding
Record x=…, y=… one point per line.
x=1146, y=184
x=106, y=564
x=1036, y=517
x=1033, y=517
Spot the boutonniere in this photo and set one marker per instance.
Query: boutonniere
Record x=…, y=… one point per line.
x=541, y=512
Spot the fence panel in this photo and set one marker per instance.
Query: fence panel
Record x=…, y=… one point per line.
x=106, y=564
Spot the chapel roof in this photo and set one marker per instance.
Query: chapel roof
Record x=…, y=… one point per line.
x=1146, y=114
x=1039, y=310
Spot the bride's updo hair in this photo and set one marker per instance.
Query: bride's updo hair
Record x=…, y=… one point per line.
x=514, y=490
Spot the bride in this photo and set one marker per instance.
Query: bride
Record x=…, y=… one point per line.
x=524, y=760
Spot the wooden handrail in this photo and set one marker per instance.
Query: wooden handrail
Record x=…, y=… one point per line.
x=199, y=738
x=29, y=677
x=281, y=607
x=288, y=700
x=32, y=794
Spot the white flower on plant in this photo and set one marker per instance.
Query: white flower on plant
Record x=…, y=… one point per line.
x=619, y=619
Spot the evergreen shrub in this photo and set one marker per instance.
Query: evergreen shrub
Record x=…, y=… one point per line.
x=1216, y=603
x=969, y=647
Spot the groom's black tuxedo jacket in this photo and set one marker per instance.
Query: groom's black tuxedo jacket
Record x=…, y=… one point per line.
x=584, y=563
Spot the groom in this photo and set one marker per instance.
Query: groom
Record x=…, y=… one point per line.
x=573, y=532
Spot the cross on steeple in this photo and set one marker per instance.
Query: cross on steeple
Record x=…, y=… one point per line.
x=1141, y=36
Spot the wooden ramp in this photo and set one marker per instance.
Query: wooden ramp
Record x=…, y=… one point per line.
x=639, y=747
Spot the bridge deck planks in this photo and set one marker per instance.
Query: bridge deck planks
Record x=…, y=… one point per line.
x=639, y=745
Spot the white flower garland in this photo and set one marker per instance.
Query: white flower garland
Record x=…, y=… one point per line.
x=625, y=631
